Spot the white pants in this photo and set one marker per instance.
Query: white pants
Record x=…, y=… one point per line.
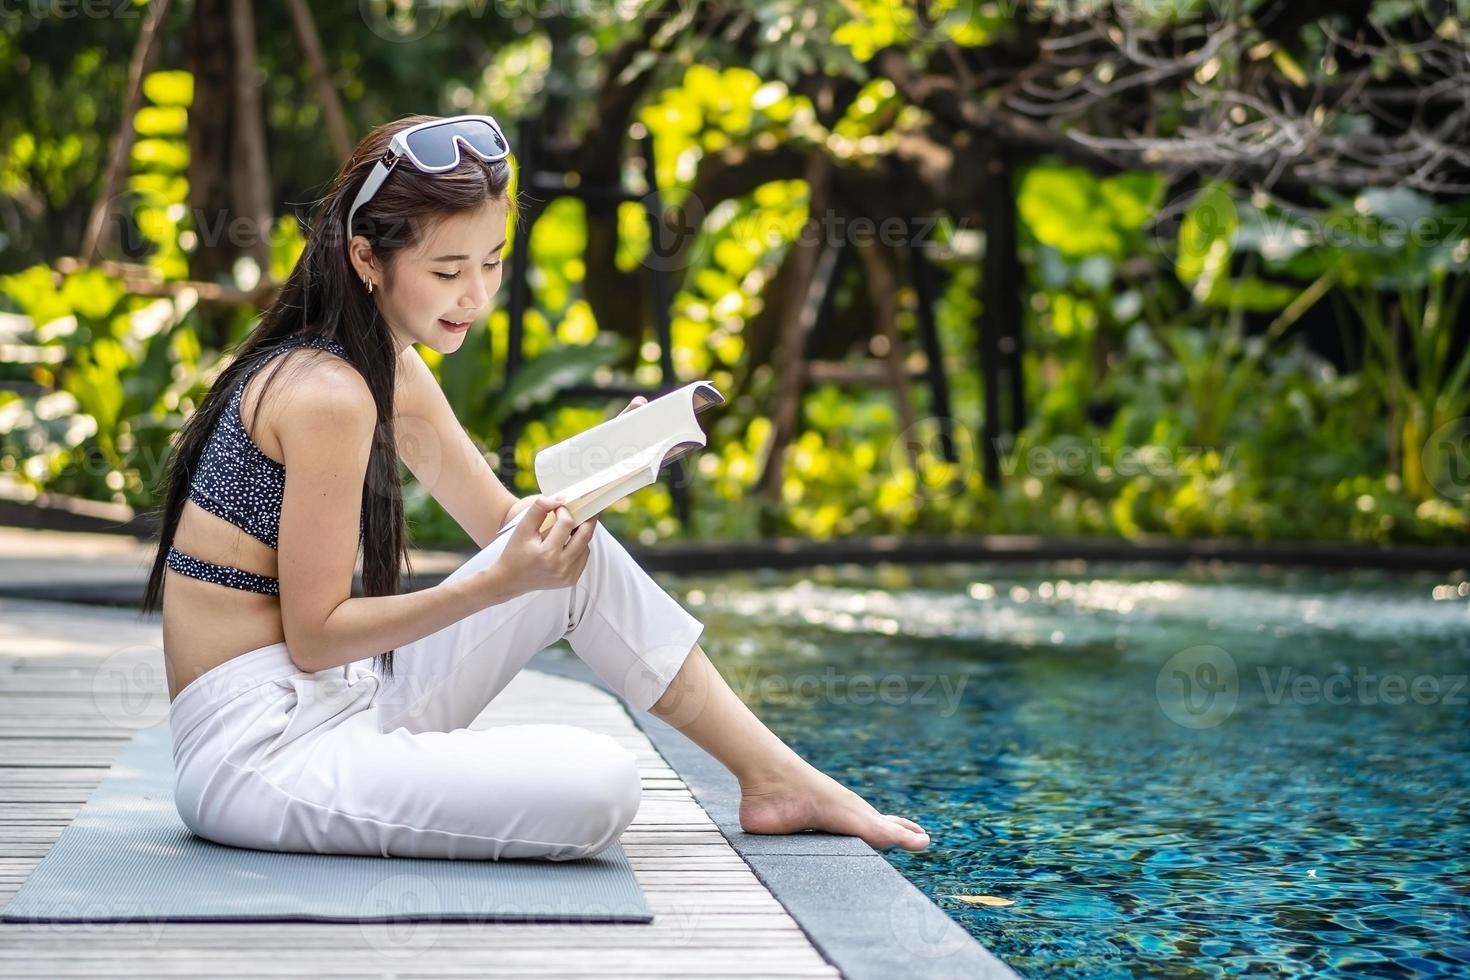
x=346, y=761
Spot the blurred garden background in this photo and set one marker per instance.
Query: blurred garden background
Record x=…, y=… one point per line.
x=1193, y=269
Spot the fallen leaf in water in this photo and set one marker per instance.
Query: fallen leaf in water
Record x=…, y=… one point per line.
x=990, y=900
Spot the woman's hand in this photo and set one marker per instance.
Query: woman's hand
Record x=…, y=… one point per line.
x=524, y=502
x=516, y=508
x=554, y=561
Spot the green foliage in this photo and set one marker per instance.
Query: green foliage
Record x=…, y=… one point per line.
x=117, y=375
x=537, y=385
x=1167, y=392
x=1246, y=434
x=155, y=205
x=1079, y=215
x=1399, y=261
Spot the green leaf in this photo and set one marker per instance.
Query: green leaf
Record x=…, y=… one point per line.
x=96, y=383
x=1254, y=295
x=1206, y=243
x=144, y=387
x=1133, y=198
x=170, y=155
x=33, y=293
x=91, y=293
x=1064, y=208
x=169, y=88
x=162, y=121
x=539, y=382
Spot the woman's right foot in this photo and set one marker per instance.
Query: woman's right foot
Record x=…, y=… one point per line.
x=805, y=798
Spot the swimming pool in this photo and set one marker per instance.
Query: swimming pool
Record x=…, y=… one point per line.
x=1174, y=771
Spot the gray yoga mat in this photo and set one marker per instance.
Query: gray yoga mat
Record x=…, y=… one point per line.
x=128, y=857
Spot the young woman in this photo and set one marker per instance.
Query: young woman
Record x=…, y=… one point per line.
x=304, y=719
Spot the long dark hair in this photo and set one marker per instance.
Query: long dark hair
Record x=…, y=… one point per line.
x=324, y=299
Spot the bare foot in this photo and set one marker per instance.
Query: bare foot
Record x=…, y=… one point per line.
x=806, y=798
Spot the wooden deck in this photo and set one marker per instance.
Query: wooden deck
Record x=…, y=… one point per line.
x=63, y=718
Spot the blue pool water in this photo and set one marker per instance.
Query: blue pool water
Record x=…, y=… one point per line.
x=1168, y=771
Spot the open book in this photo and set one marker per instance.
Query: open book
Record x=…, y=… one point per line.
x=605, y=463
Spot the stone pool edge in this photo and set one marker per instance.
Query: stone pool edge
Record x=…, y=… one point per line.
x=861, y=914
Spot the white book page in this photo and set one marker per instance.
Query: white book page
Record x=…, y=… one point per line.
x=614, y=458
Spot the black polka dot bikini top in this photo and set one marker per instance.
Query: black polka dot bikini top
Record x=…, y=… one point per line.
x=235, y=480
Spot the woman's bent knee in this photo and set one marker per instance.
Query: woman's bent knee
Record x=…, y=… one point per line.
x=625, y=790
x=604, y=797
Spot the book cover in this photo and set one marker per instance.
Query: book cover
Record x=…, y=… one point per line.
x=601, y=465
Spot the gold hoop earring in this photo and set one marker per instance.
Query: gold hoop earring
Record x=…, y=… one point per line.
x=368, y=283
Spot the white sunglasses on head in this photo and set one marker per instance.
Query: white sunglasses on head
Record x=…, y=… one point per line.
x=433, y=147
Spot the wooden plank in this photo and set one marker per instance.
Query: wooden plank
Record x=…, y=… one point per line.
x=712, y=916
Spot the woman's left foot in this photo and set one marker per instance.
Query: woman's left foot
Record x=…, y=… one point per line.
x=805, y=798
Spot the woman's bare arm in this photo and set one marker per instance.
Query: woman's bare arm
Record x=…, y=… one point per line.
x=436, y=449
x=325, y=427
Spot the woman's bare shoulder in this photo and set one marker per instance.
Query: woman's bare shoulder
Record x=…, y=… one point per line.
x=325, y=394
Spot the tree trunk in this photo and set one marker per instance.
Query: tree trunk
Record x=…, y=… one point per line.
x=211, y=124
x=145, y=56
x=801, y=309
x=883, y=289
